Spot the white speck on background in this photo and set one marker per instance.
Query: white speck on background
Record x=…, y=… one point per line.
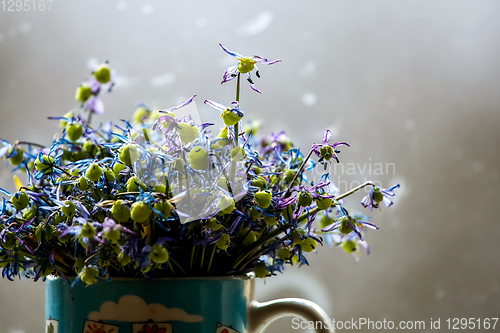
x=308, y=69
x=201, y=22
x=256, y=25
x=440, y=294
x=2, y=37
x=309, y=99
x=147, y=9
x=24, y=28
x=409, y=124
x=93, y=63
x=122, y=5
x=162, y=80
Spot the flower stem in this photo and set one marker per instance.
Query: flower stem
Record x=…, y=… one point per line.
x=29, y=144
x=211, y=259
x=236, y=126
x=297, y=175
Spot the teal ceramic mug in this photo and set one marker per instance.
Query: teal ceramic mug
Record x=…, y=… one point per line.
x=174, y=305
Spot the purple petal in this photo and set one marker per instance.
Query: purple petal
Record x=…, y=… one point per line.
x=252, y=85
x=339, y=144
x=327, y=136
x=234, y=54
x=216, y=105
x=95, y=105
x=229, y=74
x=183, y=104
x=264, y=61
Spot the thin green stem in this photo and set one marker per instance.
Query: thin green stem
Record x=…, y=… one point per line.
x=298, y=174
x=236, y=126
x=211, y=258
x=177, y=264
x=29, y=144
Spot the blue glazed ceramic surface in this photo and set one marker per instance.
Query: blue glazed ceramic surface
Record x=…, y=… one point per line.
x=212, y=305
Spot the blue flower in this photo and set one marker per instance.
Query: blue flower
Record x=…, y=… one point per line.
x=325, y=150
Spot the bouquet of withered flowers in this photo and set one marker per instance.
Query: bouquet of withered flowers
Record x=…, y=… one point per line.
x=164, y=196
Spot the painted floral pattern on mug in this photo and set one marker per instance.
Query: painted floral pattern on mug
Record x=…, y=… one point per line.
x=225, y=329
x=152, y=328
x=98, y=327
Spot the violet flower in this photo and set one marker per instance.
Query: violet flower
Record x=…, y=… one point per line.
x=325, y=150
x=378, y=195
x=244, y=66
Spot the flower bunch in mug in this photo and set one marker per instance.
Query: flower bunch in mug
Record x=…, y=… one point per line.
x=164, y=196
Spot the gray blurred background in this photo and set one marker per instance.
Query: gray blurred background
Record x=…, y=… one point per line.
x=414, y=83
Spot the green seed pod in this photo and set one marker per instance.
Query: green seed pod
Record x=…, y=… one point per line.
x=214, y=224
x=260, y=182
x=58, y=218
x=271, y=220
x=223, y=183
x=83, y=93
x=257, y=170
x=18, y=157
x=68, y=208
x=226, y=205
x=88, y=147
x=140, y=211
x=324, y=203
x=89, y=275
x=141, y=114
x=198, y=158
x=44, y=162
x=284, y=254
x=44, y=232
x=188, y=132
x=304, y=199
x=326, y=152
x=134, y=183
x=124, y=259
x=246, y=65
x=128, y=154
x=74, y=131
x=164, y=207
x=117, y=168
x=350, y=246
x=82, y=183
x=94, y=172
x=308, y=244
x=160, y=188
x=260, y=271
x=179, y=164
x=230, y=118
x=377, y=195
x=345, y=228
x=297, y=236
x=29, y=213
x=255, y=214
x=290, y=175
x=63, y=122
x=250, y=238
x=113, y=235
x=120, y=212
x=237, y=154
x=20, y=200
x=158, y=254
x=10, y=241
x=325, y=221
x=79, y=264
x=263, y=198
x=224, y=242
x=88, y=230
x=103, y=74
x=109, y=175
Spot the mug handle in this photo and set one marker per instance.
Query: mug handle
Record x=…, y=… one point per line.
x=262, y=314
